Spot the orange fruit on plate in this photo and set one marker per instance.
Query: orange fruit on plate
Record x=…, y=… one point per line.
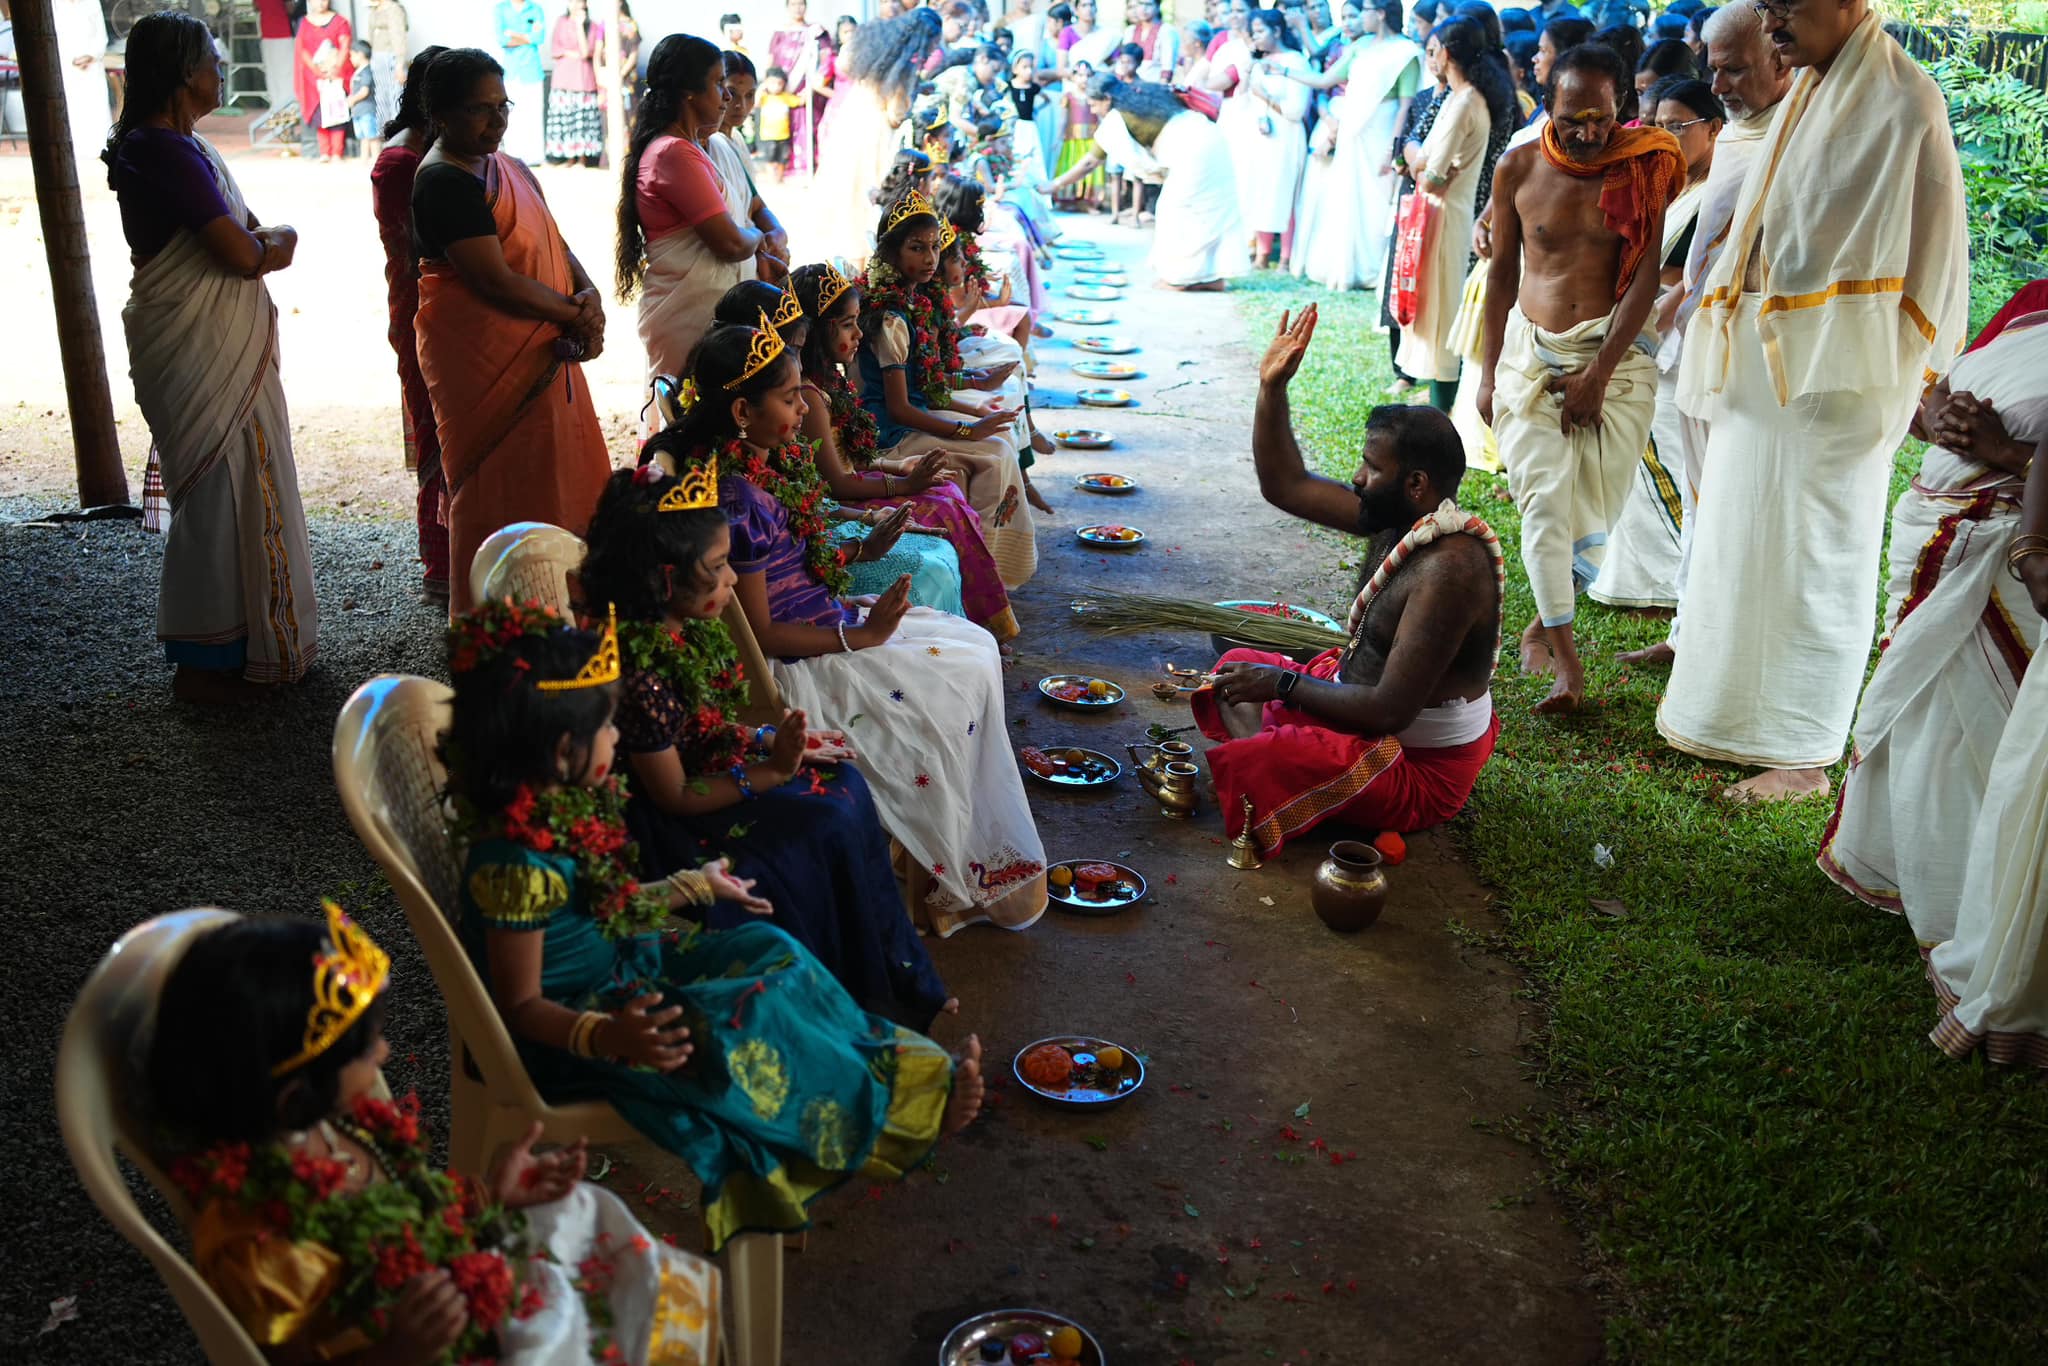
x=1065, y=1343
x=1049, y=1065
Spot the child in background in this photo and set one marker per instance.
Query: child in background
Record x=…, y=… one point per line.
x=772, y=142
x=320, y=1221
x=362, y=102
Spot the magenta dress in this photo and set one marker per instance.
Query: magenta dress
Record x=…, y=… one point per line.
x=945, y=508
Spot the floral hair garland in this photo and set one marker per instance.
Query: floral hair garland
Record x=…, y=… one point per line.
x=484, y=632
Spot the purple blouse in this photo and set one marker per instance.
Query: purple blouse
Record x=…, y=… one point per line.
x=762, y=544
x=164, y=183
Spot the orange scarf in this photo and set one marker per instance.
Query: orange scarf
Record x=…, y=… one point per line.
x=1644, y=170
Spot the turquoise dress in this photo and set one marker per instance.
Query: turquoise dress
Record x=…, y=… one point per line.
x=931, y=562
x=791, y=1090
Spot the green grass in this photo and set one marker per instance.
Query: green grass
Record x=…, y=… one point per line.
x=1766, y=1158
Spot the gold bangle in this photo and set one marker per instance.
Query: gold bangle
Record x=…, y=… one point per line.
x=695, y=887
x=583, y=1034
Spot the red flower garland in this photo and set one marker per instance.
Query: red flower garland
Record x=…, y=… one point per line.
x=854, y=428
x=385, y=1232
x=790, y=476
x=978, y=274
x=589, y=825
x=883, y=290
x=950, y=333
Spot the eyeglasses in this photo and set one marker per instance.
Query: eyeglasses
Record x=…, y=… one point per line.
x=1775, y=9
x=483, y=111
x=1678, y=129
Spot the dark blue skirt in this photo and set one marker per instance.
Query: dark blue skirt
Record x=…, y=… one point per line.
x=820, y=857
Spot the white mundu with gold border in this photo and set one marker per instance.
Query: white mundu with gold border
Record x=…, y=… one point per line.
x=1844, y=285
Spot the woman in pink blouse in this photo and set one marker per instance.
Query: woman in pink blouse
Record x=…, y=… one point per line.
x=679, y=247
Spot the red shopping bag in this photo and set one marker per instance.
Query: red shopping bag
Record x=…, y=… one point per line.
x=1412, y=228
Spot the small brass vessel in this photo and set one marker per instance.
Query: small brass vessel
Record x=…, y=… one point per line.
x=1150, y=767
x=1177, y=789
x=1350, y=888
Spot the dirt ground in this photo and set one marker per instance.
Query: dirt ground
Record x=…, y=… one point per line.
x=1315, y=1170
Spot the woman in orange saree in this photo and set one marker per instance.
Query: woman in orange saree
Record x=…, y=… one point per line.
x=506, y=316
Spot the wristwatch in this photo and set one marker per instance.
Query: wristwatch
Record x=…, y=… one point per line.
x=1285, y=688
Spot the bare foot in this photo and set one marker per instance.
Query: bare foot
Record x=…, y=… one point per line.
x=1566, y=693
x=1661, y=654
x=1778, y=785
x=1205, y=287
x=1537, y=657
x=217, y=687
x=968, y=1088
x=1039, y=329
x=951, y=1007
x=1037, y=499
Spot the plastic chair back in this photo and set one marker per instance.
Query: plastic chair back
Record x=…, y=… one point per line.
x=98, y=1070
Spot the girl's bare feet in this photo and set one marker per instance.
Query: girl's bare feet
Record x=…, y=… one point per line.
x=968, y=1088
x=1037, y=499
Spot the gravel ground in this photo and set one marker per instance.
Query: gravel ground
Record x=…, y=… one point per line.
x=126, y=804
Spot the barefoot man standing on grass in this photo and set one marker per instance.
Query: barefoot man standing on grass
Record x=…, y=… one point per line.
x=1390, y=732
x=1570, y=379
x=1843, y=289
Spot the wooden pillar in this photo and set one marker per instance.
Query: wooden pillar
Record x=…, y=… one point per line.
x=97, y=446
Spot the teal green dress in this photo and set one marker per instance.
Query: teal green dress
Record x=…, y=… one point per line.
x=791, y=1090
x=931, y=562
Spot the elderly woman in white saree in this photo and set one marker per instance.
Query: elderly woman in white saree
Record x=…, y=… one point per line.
x=236, y=603
x=1199, y=241
x=1959, y=633
x=680, y=245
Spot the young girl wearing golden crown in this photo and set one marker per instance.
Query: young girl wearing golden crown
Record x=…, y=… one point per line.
x=734, y=1049
x=321, y=1223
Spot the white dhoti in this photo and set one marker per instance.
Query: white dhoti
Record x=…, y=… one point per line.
x=1569, y=488
x=1993, y=975
x=925, y=713
x=1790, y=524
x=526, y=134
x=1959, y=633
x=1641, y=564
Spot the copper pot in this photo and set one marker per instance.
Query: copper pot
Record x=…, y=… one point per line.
x=1349, y=889
x=1176, y=793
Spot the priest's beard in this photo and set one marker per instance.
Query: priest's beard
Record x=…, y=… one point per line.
x=1386, y=510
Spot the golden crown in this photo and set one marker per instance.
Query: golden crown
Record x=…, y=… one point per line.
x=912, y=205
x=600, y=669
x=767, y=345
x=697, y=488
x=346, y=978
x=830, y=286
x=948, y=235
x=787, y=312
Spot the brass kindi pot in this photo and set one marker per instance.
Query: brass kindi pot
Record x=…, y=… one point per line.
x=1349, y=889
x=1176, y=792
x=1156, y=758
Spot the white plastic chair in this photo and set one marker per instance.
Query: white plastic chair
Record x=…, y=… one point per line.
x=390, y=779
x=98, y=1069
x=533, y=561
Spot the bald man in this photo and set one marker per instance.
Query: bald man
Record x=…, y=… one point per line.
x=1750, y=78
x=1842, y=287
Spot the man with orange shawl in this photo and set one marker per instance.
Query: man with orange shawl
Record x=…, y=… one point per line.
x=1570, y=382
